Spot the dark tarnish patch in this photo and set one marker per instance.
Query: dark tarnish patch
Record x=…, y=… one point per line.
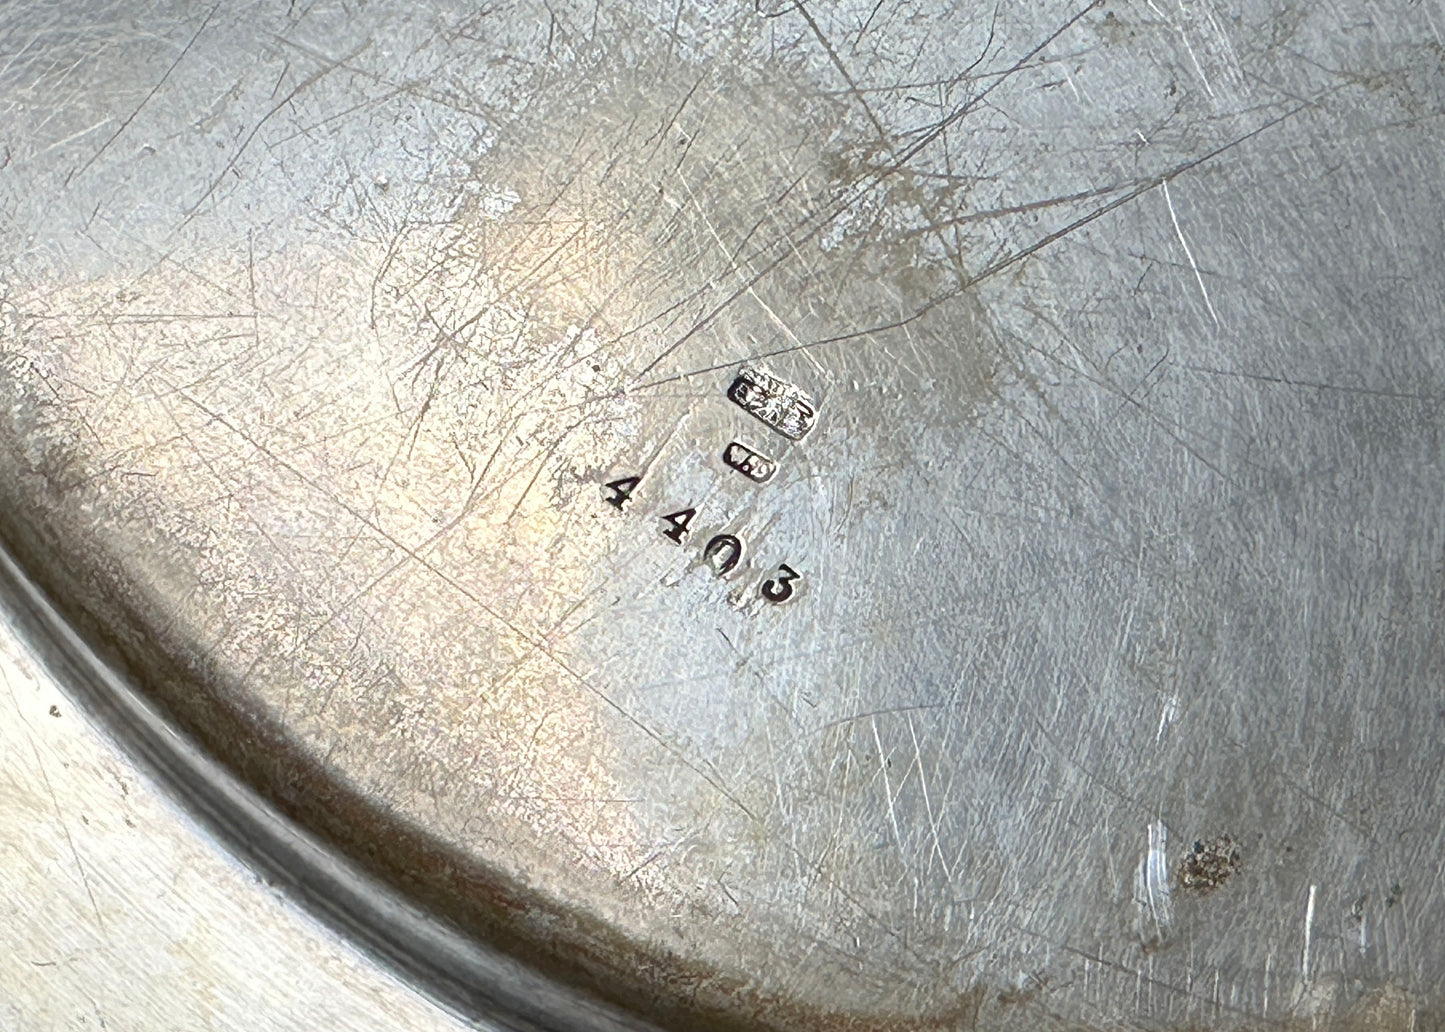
x=1209, y=864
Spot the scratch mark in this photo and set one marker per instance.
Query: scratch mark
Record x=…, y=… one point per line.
x=963, y=109
x=1309, y=927
x=655, y=855
x=927, y=139
x=1288, y=381
x=1151, y=886
x=863, y=29
x=1141, y=979
x=1189, y=49
x=661, y=134
x=1167, y=715
x=987, y=214
x=125, y=124
x=539, y=646
x=767, y=309
x=415, y=86
x=55, y=802
x=993, y=269
x=251, y=279
x=933, y=818
x=542, y=465
x=871, y=714
x=887, y=789
x=843, y=69
x=1434, y=31
x=300, y=88
x=1179, y=232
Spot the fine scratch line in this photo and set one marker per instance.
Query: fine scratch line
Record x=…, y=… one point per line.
x=1179, y=232
x=55, y=802
x=1309, y=925
x=1003, y=263
x=125, y=124
x=858, y=189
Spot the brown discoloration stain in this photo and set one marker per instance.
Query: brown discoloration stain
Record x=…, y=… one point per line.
x=1209, y=864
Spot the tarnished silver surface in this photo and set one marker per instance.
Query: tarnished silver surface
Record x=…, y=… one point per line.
x=1118, y=533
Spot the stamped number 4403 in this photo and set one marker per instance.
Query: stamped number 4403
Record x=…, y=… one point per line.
x=722, y=553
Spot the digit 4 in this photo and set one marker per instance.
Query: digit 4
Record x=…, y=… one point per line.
x=620, y=491
x=678, y=524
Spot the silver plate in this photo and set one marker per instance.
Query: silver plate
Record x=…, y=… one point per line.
x=1118, y=533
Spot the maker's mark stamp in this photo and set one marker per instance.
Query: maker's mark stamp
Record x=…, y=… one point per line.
x=756, y=466
x=785, y=407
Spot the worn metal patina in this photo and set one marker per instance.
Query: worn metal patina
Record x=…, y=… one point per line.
x=370, y=380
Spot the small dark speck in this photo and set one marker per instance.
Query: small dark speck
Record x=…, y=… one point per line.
x=84, y=819
x=597, y=369
x=1395, y=893
x=129, y=823
x=1209, y=864
x=55, y=711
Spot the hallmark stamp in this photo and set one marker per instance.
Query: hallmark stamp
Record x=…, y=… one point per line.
x=785, y=407
x=756, y=466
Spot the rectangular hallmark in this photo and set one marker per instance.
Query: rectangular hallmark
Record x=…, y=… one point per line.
x=786, y=408
x=755, y=466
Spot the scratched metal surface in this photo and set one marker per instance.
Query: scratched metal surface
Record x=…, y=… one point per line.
x=1120, y=529
x=117, y=914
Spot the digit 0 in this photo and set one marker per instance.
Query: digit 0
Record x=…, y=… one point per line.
x=723, y=554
